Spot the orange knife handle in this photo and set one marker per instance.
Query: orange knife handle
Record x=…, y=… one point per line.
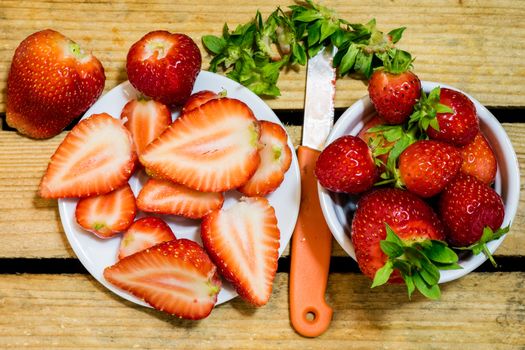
x=311, y=248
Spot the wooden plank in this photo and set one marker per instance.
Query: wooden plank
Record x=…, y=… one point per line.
x=458, y=44
x=33, y=224
x=74, y=311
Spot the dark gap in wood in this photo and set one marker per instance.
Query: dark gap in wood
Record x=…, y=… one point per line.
x=295, y=116
x=338, y=264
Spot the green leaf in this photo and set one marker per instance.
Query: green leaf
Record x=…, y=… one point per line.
x=327, y=28
x=429, y=291
x=391, y=236
x=395, y=34
x=348, y=60
x=307, y=16
x=299, y=54
x=441, y=253
x=314, y=33
x=429, y=272
x=452, y=266
x=441, y=108
x=382, y=275
x=409, y=281
x=363, y=63
x=214, y=43
x=434, y=123
x=313, y=50
x=391, y=249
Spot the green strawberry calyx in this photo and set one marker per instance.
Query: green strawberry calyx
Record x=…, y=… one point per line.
x=417, y=261
x=481, y=245
x=426, y=110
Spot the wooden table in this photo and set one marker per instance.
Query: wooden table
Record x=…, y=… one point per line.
x=48, y=300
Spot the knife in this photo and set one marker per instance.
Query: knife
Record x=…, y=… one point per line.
x=310, y=315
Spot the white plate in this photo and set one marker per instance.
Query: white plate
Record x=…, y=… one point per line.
x=338, y=209
x=96, y=254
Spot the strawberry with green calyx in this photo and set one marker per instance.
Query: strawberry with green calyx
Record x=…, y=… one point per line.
x=472, y=213
x=394, y=89
x=397, y=236
x=446, y=115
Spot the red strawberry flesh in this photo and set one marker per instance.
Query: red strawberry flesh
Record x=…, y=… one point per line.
x=95, y=157
x=479, y=159
x=176, y=277
x=144, y=233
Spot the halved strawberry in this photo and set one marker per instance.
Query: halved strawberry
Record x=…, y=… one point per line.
x=96, y=157
x=276, y=158
x=214, y=148
x=146, y=120
x=243, y=241
x=108, y=214
x=176, y=277
x=144, y=233
x=166, y=197
x=198, y=99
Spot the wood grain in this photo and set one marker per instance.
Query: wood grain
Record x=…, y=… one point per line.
x=479, y=311
x=33, y=224
x=475, y=46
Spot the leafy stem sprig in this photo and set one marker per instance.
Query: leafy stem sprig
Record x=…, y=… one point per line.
x=255, y=53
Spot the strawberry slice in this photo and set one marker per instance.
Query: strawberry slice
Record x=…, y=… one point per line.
x=198, y=99
x=166, y=197
x=214, y=148
x=276, y=158
x=146, y=120
x=176, y=277
x=95, y=157
x=108, y=214
x=144, y=233
x=243, y=241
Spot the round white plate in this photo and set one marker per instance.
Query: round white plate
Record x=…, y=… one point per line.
x=338, y=208
x=96, y=254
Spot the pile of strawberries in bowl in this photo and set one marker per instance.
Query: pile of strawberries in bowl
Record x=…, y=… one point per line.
x=418, y=182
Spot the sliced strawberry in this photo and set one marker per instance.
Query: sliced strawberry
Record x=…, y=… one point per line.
x=144, y=233
x=108, y=214
x=198, y=99
x=146, y=120
x=214, y=148
x=166, y=197
x=96, y=157
x=176, y=277
x=243, y=241
x=276, y=158
x=479, y=159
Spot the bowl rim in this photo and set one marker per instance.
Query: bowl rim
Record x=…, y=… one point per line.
x=510, y=168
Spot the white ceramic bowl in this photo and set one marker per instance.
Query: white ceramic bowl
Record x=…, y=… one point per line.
x=338, y=208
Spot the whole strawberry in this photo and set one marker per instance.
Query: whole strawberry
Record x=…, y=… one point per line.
x=427, y=166
x=346, y=165
x=479, y=159
x=472, y=212
x=394, y=231
x=164, y=66
x=447, y=115
x=51, y=82
x=394, y=94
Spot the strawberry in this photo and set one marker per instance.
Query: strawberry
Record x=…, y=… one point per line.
x=51, y=82
x=379, y=145
x=108, y=214
x=447, y=115
x=142, y=234
x=243, y=241
x=394, y=230
x=145, y=120
x=176, y=277
x=346, y=165
x=427, y=166
x=166, y=197
x=276, y=158
x=472, y=213
x=394, y=94
x=479, y=159
x=164, y=66
x=198, y=99
x=214, y=148
x=95, y=157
